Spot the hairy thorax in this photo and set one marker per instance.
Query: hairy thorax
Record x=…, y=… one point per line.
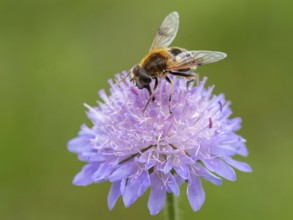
x=155, y=63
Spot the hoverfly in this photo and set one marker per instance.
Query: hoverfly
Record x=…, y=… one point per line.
x=162, y=61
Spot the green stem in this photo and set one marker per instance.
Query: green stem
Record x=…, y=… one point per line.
x=171, y=208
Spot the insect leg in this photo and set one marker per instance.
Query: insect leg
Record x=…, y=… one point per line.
x=189, y=83
x=190, y=76
x=171, y=91
x=197, y=79
x=183, y=74
x=150, y=91
x=152, y=94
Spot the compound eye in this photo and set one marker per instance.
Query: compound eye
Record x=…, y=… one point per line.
x=145, y=78
x=135, y=70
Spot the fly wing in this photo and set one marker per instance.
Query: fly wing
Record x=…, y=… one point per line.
x=192, y=59
x=166, y=32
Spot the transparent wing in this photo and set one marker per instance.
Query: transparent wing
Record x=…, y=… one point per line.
x=166, y=32
x=190, y=59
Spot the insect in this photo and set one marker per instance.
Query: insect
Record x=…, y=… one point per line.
x=162, y=61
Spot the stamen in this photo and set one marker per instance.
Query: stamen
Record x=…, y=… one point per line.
x=221, y=105
x=210, y=123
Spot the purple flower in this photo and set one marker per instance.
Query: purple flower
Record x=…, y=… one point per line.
x=135, y=150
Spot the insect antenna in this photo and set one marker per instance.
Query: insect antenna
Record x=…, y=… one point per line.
x=124, y=77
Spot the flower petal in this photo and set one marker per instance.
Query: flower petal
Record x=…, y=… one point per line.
x=167, y=167
x=79, y=144
x=157, y=196
x=242, y=166
x=203, y=172
x=182, y=171
x=123, y=171
x=242, y=150
x=105, y=169
x=223, y=149
x=136, y=188
x=179, y=180
x=145, y=182
x=84, y=177
x=195, y=193
x=220, y=167
x=114, y=194
x=172, y=185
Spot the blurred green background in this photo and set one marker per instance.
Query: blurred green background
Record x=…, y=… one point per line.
x=56, y=55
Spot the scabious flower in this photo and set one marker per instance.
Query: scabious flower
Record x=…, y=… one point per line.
x=135, y=150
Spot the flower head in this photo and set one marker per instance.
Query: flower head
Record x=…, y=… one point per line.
x=135, y=150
